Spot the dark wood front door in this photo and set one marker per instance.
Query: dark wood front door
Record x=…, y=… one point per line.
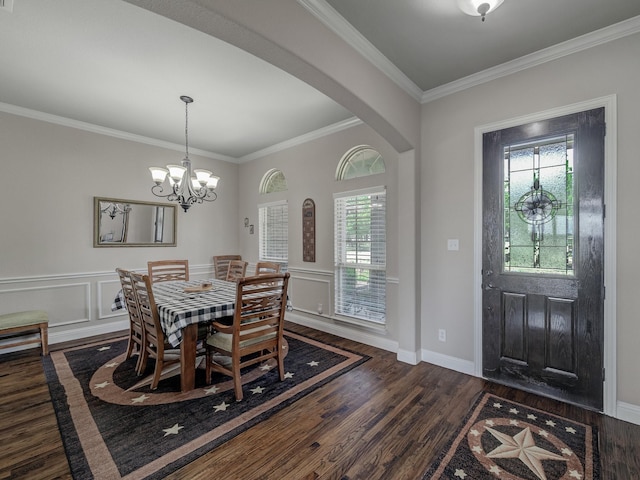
x=543, y=257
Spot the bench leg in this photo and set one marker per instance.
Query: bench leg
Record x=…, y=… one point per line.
x=44, y=338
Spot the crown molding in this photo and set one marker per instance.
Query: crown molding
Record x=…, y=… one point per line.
x=336, y=22
x=583, y=42
x=110, y=132
x=89, y=127
x=307, y=137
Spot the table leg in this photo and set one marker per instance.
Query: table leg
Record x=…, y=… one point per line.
x=188, y=357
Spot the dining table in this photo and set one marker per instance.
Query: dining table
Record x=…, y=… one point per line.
x=182, y=306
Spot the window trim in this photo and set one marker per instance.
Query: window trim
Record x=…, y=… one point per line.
x=266, y=180
x=345, y=163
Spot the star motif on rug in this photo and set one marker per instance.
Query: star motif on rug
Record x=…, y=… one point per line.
x=495, y=470
x=257, y=390
x=531, y=416
x=570, y=430
x=551, y=423
x=106, y=347
x=266, y=367
x=173, y=430
x=139, y=399
x=460, y=473
x=523, y=447
x=211, y=389
x=101, y=385
x=313, y=363
x=575, y=474
x=514, y=411
x=112, y=364
x=497, y=405
x=221, y=407
x=288, y=375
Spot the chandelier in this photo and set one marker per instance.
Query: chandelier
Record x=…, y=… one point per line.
x=186, y=187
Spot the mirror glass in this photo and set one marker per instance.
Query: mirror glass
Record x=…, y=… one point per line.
x=131, y=223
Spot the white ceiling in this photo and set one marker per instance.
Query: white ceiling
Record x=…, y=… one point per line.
x=113, y=65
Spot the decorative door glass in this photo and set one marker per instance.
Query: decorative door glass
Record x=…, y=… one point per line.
x=538, y=207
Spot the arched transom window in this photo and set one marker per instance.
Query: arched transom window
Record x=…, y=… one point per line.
x=273, y=181
x=359, y=162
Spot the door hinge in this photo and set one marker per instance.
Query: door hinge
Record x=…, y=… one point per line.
x=604, y=210
x=603, y=376
x=604, y=292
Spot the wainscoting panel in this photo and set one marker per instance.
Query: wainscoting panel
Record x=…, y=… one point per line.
x=66, y=304
x=311, y=291
x=107, y=291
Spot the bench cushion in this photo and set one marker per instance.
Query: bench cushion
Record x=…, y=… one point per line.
x=23, y=319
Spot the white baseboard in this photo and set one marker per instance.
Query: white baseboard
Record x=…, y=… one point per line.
x=344, y=332
x=446, y=361
x=407, y=356
x=77, y=334
x=90, y=331
x=628, y=412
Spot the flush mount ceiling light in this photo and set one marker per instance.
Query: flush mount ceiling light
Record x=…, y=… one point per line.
x=479, y=8
x=184, y=187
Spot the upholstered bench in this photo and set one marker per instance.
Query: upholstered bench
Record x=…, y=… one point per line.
x=25, y=322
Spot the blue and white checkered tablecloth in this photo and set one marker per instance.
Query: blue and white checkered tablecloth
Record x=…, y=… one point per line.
x=177, y=308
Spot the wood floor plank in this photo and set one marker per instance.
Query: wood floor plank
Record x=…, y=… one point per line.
x=382, y=420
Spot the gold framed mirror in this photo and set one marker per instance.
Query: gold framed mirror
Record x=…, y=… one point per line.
x=131, y=223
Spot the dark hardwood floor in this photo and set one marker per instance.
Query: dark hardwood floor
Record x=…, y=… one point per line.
x=382, y=420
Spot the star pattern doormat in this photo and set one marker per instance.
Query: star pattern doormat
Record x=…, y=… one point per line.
x=510, y=441
x=112, y=428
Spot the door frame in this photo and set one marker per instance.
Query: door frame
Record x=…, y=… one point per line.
x=610, y=176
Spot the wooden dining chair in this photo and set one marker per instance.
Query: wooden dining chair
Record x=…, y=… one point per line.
x=167, y=359
x=256, y=334
x=136, y=329
x=263, y=268
x=237, y=270
x=221, y=265
x=168, y=270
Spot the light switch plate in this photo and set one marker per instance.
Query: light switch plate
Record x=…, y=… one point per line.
x=452, y=244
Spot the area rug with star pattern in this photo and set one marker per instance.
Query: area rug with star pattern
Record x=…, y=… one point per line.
x=114, y=426
x=510, y=441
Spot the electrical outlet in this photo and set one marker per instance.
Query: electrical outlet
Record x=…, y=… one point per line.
x=442, y=335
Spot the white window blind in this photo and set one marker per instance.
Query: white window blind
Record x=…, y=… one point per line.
x=274, y=232
x=361, y=254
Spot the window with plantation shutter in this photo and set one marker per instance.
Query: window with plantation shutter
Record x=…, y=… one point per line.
x=274, y=232
x=360, y=254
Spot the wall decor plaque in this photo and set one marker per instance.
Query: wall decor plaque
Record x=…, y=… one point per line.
x=308, y=230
